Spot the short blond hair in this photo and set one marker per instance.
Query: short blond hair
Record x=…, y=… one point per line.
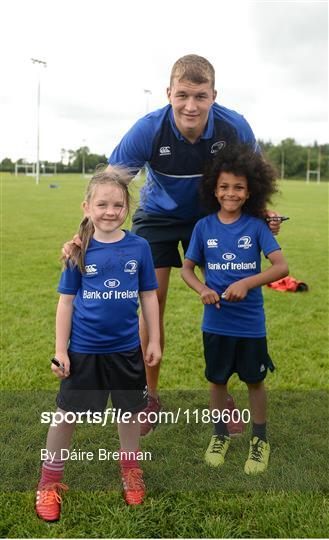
x=194, y=68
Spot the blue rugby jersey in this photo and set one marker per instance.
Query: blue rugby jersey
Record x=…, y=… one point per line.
x=105, y=307
x=174, y=165
x=230, y=252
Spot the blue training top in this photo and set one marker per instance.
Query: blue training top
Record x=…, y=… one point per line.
x=105, y=307
x=230, y=252
x=174, y=165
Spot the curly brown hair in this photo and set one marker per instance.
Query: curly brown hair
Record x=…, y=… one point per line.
x=240, y=159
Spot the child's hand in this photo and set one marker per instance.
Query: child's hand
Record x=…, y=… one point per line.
x=65, y=362
x=208, y=296
x=153, y=354
x=236, y=292
x=273, y=225
x=67, y=248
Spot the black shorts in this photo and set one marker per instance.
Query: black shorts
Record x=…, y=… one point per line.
x=225, y=355
x=163, y=234
x=94, y=376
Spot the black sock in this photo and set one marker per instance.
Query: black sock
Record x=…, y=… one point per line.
x=259, y=430
x=220, y=428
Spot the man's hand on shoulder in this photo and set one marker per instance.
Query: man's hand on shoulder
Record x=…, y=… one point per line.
x=67, y=247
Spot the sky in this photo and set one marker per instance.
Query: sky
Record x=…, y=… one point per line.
x=270, y=57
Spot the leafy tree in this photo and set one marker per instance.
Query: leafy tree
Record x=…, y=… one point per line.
x=7, y=165
x=63, y=154
x=90, y=160
x=290, y=159
x=287, y=157
x=71, y=156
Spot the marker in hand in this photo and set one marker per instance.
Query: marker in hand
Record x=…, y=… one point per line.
x=58, y=364
x=276, y=218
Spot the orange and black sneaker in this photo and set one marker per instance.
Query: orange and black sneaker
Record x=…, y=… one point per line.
x=48, y=501
x=133, y=485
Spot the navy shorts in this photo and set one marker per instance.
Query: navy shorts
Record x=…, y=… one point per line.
x=225, y=355
x=93, y=377
x=164, y=235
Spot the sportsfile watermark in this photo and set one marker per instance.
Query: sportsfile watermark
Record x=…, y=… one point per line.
x=102, y=454
x=112, y=415
x=173, y=456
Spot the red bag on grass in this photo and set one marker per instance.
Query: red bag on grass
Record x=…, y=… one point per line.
x=288, y=283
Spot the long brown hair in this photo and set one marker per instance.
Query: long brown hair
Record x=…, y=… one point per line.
x=118, y=176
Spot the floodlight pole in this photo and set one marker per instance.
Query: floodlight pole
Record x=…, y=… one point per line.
x=147, y=94
x=44, y=64
x=318, y=169
x=83, y=158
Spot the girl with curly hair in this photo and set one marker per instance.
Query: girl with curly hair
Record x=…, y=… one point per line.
x=228, y=243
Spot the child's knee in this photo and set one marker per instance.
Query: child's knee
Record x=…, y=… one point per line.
x=255, y=386
x=218, y=387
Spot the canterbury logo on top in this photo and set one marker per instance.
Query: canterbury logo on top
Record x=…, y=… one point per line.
x=165, y=151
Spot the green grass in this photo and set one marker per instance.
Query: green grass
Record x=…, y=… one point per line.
x=185, y=498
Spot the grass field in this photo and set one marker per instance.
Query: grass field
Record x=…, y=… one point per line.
x=185, y=498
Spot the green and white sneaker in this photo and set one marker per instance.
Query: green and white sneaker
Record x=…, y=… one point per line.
x=216, y=451
x=259, y=453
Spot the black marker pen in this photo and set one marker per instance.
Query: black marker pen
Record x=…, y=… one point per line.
x=276, y=218
x=58, y=364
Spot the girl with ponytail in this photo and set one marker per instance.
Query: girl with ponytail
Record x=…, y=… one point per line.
x=98, y=350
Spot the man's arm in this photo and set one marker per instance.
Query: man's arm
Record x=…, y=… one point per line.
x=135, y=147
x=128, y=173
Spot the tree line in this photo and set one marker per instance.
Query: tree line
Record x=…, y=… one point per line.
x=290, y=159
x=72, y=161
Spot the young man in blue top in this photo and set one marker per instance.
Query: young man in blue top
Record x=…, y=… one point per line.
x=236, y=186
x=174, y=144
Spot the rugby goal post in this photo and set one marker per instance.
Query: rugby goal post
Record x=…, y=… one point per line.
x=48, y=169
x=28, y=169
x=315, y=172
